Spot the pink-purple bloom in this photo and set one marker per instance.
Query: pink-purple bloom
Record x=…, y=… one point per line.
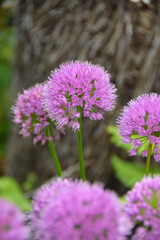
x=78, y=84
x=139, y=124
x=79, y=210
x=11, y=222
x=143, y=208
x=28, y=113
x=44, y=195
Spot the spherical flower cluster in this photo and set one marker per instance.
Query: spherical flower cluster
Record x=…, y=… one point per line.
x=78, y=84
x=11, y=222
x=45, y=194
x=83, y=211
x=143, y=208
x=139, y=124
x=29, y=115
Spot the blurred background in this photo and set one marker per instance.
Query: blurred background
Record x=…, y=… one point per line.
x=38, y=35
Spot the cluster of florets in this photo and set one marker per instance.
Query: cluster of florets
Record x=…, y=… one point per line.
x=41, y=199
x=143, y=208
x=78, y=84
x=139, y=124
x=28, y=113
x=11, y=222
x=78, y=210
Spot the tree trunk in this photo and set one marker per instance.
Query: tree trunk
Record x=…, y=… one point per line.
x=122, y=36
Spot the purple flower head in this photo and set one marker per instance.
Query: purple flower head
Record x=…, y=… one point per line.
x=83, y=211
x=139, y=124
x=28, y=113
x=45, y=194
x=143, y=208
x=78, y=84
x=11, y=222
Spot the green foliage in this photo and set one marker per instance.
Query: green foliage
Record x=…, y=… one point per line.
x=29, y=184
x=10, y=190
x=123, y=199
x=129, y=173
x=116, y=139
x=6, y=52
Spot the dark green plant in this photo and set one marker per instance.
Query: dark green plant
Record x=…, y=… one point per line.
x=10, y=190
x=127, y=172
x=6, y=51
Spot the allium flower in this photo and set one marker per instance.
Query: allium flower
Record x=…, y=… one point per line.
x=82, y=211
x=143, y=208
x=11, y=222
x=29, y=115
x=78, y=84
x=139, y=124
x=41, y=199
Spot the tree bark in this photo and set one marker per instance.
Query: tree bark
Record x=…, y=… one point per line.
x=122, y=36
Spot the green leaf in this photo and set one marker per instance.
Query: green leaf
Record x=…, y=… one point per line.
x=123, y=199
x=30, y=182
x=11, y=191
x=127, y=172
x=116, y=139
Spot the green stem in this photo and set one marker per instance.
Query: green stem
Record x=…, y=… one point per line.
x=80, y=151
x=148, y=159
x=54, y=155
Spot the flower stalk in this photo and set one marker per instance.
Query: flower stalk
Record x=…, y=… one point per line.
x=53, y=154
x=148, y=159
x=80, y=151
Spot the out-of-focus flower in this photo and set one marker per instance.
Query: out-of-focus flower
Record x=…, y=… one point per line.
x=44, y=195
x=11, y=222
x=28, y=113
x=79, y=210
x=78, y=84
x=139, y=124
x=143, y=208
